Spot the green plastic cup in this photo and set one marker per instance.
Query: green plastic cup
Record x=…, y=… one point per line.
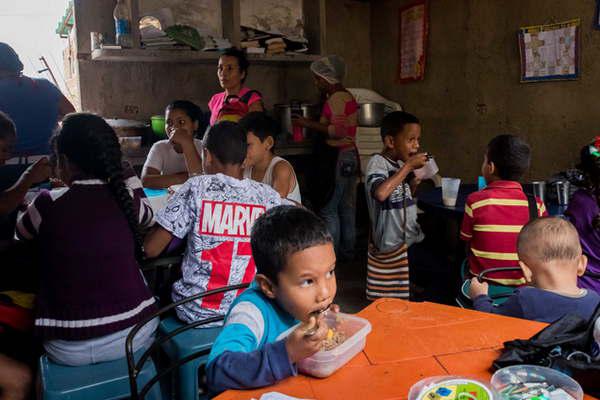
x=158, y=124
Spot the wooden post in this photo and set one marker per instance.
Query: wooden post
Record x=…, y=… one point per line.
x=230, y=15
x=134, y=7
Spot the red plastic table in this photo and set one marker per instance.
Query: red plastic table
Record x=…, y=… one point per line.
x=409, y=342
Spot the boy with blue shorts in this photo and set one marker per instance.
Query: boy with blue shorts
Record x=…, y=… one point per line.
x=295, y=282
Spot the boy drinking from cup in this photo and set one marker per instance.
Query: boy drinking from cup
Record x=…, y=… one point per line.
x=396, y=237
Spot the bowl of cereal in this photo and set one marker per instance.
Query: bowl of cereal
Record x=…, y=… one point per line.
x=346, y=337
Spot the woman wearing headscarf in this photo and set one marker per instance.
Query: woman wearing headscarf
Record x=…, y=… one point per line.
x=338, y=127
x=35, y=105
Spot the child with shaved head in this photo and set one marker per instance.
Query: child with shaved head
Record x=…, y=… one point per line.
x=551, y=259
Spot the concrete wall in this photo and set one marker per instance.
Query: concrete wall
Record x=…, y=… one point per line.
x=471, y=90
x=139, y=90
x=346, y=36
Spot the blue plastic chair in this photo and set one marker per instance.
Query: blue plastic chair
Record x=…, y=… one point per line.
x=187, y=348
x=186, y=343
x=102, y=381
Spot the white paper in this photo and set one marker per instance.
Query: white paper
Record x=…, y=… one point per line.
x=278, y=396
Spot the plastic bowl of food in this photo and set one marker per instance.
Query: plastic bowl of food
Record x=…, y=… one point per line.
x=346, y=338
x=451, y=388
x=158, y=124
x=130, y=142
x=529, y=381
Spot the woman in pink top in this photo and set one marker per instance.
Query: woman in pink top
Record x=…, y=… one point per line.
x=338, y=123
x=232, y=72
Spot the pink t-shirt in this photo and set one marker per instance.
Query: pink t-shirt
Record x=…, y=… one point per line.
x=343, y=128
x=216, y=102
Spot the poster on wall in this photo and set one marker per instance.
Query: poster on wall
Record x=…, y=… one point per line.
x=412, y=42
x=597, y=15
x=550, y=52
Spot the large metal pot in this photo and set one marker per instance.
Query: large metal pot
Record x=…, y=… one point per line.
x=371, y=114
x=128, y=127
x=283, y=114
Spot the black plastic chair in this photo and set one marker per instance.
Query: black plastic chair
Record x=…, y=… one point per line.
x=135, y=368
x=155, y=270
x=498, y=293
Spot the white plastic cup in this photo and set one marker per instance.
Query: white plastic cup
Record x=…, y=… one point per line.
x=450, y=188
x=428, y=170
x=539, y=190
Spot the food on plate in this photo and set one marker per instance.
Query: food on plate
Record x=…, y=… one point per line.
x=334, y=339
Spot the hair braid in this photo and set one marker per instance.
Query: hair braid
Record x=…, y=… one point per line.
x=92, y=145
x=111, y=158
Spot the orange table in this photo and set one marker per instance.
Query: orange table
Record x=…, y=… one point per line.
x=409, y=342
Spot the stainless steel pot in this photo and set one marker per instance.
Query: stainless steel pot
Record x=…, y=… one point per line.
x=283, y=114
x=128, y=127
x=371, y=114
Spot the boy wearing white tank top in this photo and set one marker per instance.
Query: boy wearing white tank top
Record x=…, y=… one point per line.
x=261, y=164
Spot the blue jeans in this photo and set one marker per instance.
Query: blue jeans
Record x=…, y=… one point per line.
x=339, y=216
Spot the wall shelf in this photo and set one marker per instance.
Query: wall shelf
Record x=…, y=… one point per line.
x=189, y=56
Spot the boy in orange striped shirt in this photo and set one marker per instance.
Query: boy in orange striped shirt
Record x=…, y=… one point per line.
x=495, y=215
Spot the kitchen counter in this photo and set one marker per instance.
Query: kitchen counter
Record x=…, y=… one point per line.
x=137, y=157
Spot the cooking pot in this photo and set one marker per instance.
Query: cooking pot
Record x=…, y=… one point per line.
x=283, y=114
x=371, y=114
x=128, y=127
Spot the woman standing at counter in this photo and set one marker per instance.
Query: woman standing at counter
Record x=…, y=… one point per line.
x=339, y=119
x=232, y=72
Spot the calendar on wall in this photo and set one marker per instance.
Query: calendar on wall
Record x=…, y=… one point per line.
x=550, y=52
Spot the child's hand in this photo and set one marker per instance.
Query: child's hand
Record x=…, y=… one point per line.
x=417, y=161
x=182, y=137
x=334, y=308
x=477, y=288
x=56, y=183
x=39, y=171
x=302, y=343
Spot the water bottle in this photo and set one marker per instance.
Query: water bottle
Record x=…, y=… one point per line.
x=122, y=17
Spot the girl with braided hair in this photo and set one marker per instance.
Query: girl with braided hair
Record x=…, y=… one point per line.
x=92, y=291
x=584, y=213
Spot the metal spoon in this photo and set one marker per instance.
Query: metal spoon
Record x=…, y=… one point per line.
x=312, y=331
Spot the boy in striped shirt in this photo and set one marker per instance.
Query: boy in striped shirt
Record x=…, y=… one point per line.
x=495, y=215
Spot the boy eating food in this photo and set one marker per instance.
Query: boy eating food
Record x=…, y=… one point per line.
x=295, y=281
